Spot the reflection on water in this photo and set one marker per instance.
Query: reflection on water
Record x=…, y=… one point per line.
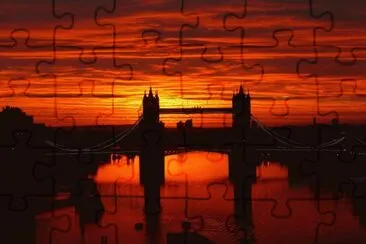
x=281, y=212
x=199, y=167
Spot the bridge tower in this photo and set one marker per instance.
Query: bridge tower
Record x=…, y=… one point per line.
x=151, y=108
x=151, y=153
x=242, y=171
x=241, y=105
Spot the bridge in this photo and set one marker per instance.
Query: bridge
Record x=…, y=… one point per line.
x=245, y=146
x=149, y=139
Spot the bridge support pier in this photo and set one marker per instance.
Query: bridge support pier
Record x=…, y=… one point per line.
x=243, y=207
x=152, y=167
x=242, y=174
x=241, y=162
x=152, y=200
x=236, y=161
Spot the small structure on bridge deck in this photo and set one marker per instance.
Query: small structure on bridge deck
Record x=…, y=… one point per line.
x=180, y=125
x=187, y=124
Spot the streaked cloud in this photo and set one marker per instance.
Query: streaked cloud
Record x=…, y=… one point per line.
x=147, y=33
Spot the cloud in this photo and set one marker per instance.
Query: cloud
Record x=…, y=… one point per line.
x=93, y=39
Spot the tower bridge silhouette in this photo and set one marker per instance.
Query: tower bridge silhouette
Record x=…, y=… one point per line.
x=188, y=139
x=245, y=146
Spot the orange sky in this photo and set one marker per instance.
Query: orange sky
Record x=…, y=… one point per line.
x=73, y=66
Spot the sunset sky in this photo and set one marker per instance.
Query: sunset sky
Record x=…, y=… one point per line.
x=96, y=70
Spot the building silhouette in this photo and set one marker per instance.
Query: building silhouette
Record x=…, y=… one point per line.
x=13, y=116
x=187, y=124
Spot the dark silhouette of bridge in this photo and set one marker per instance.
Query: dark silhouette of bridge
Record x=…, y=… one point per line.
x=244, y=145
x=149, y=138
x=156, y=141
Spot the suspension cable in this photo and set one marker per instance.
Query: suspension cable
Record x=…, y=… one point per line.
x=292, y=143
x=99, y=146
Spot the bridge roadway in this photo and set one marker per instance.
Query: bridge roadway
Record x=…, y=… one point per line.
x=196, y=110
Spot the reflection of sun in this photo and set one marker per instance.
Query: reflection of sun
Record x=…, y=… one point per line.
x=181, y=157
x=119, y=171
x=195, y=165
x=272, y=170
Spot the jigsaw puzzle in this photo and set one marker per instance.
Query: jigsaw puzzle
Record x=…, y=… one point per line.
x=165, y=121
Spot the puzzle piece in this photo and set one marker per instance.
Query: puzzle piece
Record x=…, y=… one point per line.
x=284, y=74
x=299, y=18
x=84, y=196
x=37, y=20
x=191, y=70
x=207, y=22
x=344, y=183
x=71, y=86
x=86, y=33
x=21, y=155
x=86, y=217
x=88, y=204
x=21, y=226
x=17, y=65
x=152, y=223
x=206, y=69
x=336, y=79
x=134, y=39
x=23, y=195
x=246, y=206
x=341, y=26
x=345, y=163
x=210, y=53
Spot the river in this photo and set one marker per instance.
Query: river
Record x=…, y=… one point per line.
x=282, y=212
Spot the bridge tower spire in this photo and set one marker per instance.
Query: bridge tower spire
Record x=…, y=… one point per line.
x=241, y=104
x=241, y=89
